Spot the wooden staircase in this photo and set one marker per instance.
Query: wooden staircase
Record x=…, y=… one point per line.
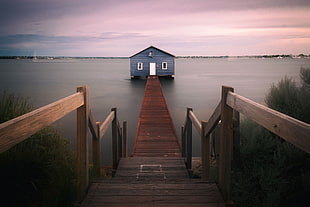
x=155, y=175
x=152, y=181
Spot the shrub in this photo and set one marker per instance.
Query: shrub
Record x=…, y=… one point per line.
x=40, y=171
x=271, y=171
x=289, y=99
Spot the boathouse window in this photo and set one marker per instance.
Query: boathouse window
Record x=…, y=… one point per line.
x=151, y=53
x=164, y=65
x=140, y=66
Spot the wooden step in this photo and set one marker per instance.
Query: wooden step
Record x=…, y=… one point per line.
x=148, y=181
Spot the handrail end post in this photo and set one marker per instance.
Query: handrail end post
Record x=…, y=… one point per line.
x=226, y=145
x=82, y=143
x=114, y=139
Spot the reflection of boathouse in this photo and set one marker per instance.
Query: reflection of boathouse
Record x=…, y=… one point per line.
x=152, y=61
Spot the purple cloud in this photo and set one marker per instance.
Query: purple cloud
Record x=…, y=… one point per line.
x=122, y=27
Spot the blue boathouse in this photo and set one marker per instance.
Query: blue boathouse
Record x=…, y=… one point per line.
x=152, y=61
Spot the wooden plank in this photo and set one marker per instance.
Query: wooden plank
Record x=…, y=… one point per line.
x=125, y=139
x=213, y=120
x=92, y=125
x=114, y=139
x=226, y=146
x=105, y=125
x=189, y=137
x=183, y=141
x=155, y=134
x=82, y=144
x=195, y=121
x=290, y=129
x=96, y=151
x=16, y=130
x=152, y=189
x=205, y=151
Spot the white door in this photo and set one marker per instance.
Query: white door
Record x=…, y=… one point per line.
x=152, y=68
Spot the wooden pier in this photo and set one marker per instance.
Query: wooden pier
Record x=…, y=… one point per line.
x=156, y=136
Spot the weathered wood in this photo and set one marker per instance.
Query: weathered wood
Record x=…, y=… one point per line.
x=16, y=130
x=290, y=129
x=106, y=123
x=183, y=141
x=96, y=151
x=125, y=139
x=195, y=121
x=205, y=151
x=92, y=125
x=213, y=120
x=167, y=185
x=226, y=146
x=114, y=139
x=155, y=135
x=236, y=147
x=82, y=144
x=119, y=141
x=189, y=143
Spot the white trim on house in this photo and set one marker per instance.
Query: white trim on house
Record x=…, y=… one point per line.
x=140, y=66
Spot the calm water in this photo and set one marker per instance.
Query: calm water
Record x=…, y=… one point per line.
x=197, y=84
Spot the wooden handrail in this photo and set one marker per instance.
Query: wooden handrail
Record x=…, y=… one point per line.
x=92, y=125
x=195, y=121
x=105, y=124
x=119, y=141
x=213, y=120
x=292, y=130
x=20, y=128
x=227, y=111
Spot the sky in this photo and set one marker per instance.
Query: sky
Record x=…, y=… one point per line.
x=109, y=28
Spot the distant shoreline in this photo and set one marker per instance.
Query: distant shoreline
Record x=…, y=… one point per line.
x=179, y=57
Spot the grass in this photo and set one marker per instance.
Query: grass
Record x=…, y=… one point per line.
x=39, y=171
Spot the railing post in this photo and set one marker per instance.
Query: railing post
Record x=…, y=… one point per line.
x=236, y=148
x=96, y=151
x=205, y=151
x=124, y=153
x=226, y=146
x=114, y=139
x=119, y=142
x=183, y=141
x=82, y=144
x=188, y=140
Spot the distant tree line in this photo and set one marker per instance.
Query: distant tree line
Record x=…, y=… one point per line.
x=202, y=56
x=251, y=56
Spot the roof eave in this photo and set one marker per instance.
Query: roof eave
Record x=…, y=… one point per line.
x=154, y=48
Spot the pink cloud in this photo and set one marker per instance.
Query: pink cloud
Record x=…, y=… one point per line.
x=199, y=27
